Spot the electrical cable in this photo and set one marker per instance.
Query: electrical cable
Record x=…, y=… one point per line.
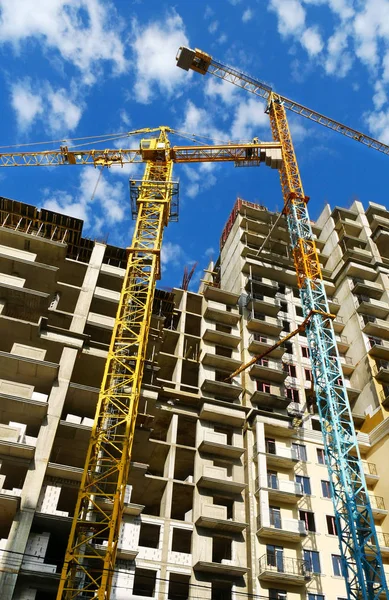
x=34, y=560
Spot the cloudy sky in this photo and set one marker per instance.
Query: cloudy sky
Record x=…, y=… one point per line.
x=80, y=68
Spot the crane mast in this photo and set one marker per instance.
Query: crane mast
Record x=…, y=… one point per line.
x=91, y=552
x=361, y=557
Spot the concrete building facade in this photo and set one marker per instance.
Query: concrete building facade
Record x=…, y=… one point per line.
x=228, y=494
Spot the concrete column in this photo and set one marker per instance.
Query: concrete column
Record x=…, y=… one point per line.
x=21, y=526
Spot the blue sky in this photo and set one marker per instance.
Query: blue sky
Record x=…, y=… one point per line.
x=78, y=68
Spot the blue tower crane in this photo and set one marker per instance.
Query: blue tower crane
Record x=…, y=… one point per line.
x=360, y=553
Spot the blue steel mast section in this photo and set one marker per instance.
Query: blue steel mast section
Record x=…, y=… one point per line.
x=358, y=542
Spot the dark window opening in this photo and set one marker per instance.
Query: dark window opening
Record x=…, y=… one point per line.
x=144, y=582
x=149, y=535
x=331, y=525
x=182, y=540
x=178, y=586
x=309, y=520
x=221, y=549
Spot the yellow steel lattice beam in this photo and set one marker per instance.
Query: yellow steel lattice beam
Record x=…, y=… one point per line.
x=305, y=256
x=92, y=547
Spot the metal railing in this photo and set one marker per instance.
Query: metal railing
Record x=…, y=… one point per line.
x=283, y=564
x=369, y=468
x=383, y=539
x=283, y=485
x=377, y=502
x=282, y=452
x=288, y=525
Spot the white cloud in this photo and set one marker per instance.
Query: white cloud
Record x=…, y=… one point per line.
x=171, y=254
x=339, y=60
x=222, y=39
x=26, y=104
x=96, y=199
x=213, y=26
x=249, y=119
x=59, y=110
x=81, y=31
x=199, y=178
x=155, y=47
x=247, y=15
x=219, y=88
x=291, y=16
x=312, y=41
x=199, y=121
x=378, y=123
x=64, y=114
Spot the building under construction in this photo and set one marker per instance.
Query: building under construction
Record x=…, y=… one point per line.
x=228, y=494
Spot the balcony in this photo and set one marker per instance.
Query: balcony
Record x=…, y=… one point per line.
x=216, y=478
x=333, y=305
x=220, y=295
x=283, y=570
x=352, y=392
x=214, y=516
x=383, y=540
x=360, y=271
x=226, y=568
x=378, y=348
x=348, y=226
x=378, y=507
x=280, y=456
x=374, y=327
x=342, y=343
x=279, y=490
x=384, y=397
x=220, y=412
x=269, y=370
x=263, y=304
x=259, y=343
x=259, y=323
x=257, y=285
x=381, y=371
x=263, y=266
x=222, y=363
x=363, y=287
x=347, y=365
x=216, y=443
x=273, y=401
x=291, y=530
x=29, y=371
x=221, y=388
x=381, y=238
x=370, y=471
x=220, y=338
x=338, y=324
x=370, y=306
x=225, y=317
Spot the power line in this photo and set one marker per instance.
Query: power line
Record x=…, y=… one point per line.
x=14, y=562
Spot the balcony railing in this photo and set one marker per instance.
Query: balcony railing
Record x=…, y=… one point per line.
x=383, y=539
x=283, y=564
x=282, y=452
x=282, y=485
x=369, y=468
x=377, y=502
x=291, y=525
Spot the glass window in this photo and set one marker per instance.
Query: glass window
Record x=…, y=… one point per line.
x=275, y=516
x=263, y=386
x=272, y=480
x=293, y=395
x=277, y=594
x=315, y=596
x=305, y=483
x=270, y=446
x=309, y=519
x=325, y=489
x=312, y=561
x=331, y=525
x=300, y=451
x=308, y=374
x=337, y=565
x=305, y=351
x=320, y=456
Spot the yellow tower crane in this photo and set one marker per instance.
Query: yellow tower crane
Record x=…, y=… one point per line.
x=92, y=546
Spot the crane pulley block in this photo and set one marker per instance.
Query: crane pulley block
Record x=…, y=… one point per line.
x=196, y=59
